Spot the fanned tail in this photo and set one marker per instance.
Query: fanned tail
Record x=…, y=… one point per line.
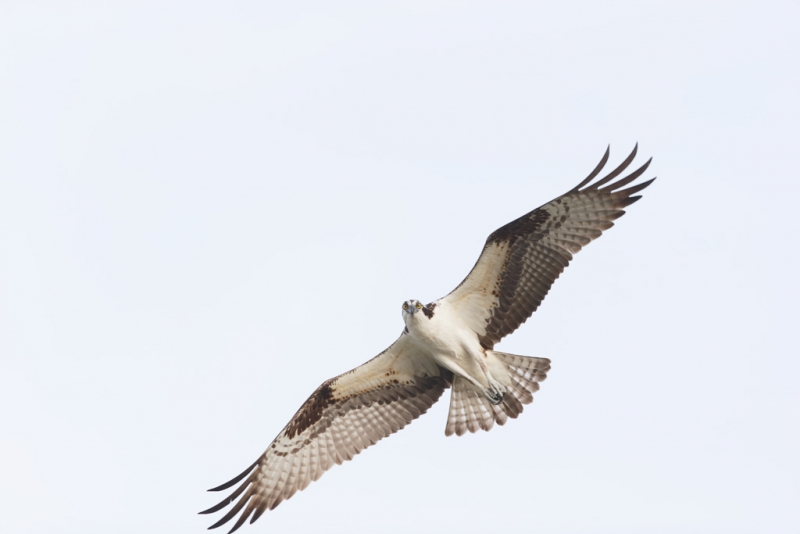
x=471, y=411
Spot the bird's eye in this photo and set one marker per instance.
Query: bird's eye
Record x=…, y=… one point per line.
x=419, y=306
x=405, y=306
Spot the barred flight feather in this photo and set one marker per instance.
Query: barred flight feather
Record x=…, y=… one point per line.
x=514, y=272
x=339, y=420
x=521, y=260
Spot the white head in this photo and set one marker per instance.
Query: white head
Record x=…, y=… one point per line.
x=410, y=307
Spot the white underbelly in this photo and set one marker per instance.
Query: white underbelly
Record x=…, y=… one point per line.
x=451, y=345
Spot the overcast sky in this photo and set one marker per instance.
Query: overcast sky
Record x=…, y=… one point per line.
x=208, y=208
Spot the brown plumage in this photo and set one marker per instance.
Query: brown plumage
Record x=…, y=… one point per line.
x=346, y=414
x=521, y=260
x=340, y=419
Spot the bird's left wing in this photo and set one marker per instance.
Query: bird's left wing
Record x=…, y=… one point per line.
x=521, y=260
x=342, y=417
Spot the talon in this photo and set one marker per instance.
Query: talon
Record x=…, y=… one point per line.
x=496, y=398
x=494, y=394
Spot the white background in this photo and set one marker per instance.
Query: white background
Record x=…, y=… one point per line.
x=207, y=209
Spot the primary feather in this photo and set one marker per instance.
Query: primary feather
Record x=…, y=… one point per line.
x=521, y=260
x=450, y=343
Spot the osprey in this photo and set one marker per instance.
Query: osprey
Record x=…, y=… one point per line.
x=448, y=342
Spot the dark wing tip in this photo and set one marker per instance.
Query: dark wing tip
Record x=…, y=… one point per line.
x=217, y=507
x=596, y=170
x=242, y=518
x=616, y=172
x=636, y=188
x=259, y=511
x=628, y=179
x=626, y=194
x=627, y=202
x=232, y=513
x=613, y=187
x=230, y=483
x=216, y=525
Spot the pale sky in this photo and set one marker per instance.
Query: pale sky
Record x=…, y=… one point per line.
x=209, y=208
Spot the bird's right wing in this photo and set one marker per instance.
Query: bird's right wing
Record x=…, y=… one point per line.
x=342, y=417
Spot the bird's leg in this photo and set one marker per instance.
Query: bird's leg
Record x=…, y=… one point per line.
x=494, y=393
x=464, y=366
x=459, y=367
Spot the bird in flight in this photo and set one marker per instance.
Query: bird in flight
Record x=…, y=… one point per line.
x=447, y=343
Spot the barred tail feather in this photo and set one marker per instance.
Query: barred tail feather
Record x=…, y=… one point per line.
x=471, y=411
x=525, y=373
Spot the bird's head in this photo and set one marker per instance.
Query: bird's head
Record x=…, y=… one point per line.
x=410, y=307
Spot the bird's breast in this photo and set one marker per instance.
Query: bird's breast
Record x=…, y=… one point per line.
x=439, y=334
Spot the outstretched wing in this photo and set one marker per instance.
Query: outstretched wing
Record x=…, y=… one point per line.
x=521, y=260
x=341, y=418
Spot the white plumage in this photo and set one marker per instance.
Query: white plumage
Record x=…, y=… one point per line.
x=448, y=342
